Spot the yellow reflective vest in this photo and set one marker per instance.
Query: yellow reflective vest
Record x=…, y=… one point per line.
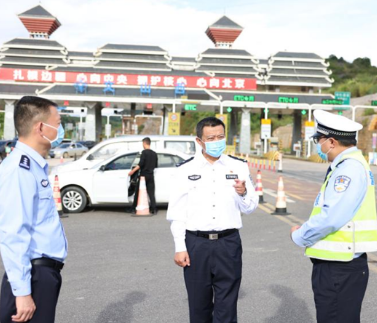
x=357, y=236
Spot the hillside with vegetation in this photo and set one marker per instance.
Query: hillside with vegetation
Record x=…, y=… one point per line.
x=358, y=77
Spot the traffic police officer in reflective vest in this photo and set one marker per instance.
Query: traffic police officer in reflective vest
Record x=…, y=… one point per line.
x=32, y=240
x=210, y=192
x=342, y=226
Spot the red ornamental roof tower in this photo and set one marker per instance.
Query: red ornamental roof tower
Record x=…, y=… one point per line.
x=39, y=22
x=224, y=32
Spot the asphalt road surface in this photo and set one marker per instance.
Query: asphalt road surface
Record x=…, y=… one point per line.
x=120, y=268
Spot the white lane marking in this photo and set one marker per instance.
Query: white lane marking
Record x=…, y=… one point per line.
x=274, y=194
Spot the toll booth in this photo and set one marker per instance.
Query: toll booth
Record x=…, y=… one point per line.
x=297, y=148
x=273, y=144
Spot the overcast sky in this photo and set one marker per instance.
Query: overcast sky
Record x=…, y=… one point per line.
x=342, y=27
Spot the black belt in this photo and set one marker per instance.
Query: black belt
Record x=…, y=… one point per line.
x=48, y=262
x=362, y=257
x=212, y=235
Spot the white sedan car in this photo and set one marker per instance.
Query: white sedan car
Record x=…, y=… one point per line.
x=107, y=182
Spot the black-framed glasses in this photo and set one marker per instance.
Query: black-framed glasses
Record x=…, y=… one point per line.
x=317, y=139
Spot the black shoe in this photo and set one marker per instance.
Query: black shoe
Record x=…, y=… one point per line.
x=131, y=210
x=154, y=211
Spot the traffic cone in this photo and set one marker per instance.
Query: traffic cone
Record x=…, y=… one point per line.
x=281, y=203
x=61, y=159
x=142, y=208
x=259, y=188
x=58, y=198
x=280, y=169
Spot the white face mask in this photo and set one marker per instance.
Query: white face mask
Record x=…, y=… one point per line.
x=59, y=135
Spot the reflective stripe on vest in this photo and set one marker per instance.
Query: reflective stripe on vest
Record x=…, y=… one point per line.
x=357, y=236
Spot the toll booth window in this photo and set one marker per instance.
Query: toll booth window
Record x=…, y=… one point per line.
x=165, y=160
x=122, y=163
x=109, y=150
x=187, y=147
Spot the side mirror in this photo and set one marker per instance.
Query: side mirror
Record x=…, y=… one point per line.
x=90, y=157
x=102, y=168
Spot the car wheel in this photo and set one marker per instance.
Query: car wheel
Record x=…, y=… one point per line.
x=65, y=155
x=74, y=199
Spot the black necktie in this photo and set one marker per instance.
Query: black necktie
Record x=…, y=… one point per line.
x=327, y=173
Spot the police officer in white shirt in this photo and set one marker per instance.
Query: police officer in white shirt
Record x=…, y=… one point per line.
x=205, y=206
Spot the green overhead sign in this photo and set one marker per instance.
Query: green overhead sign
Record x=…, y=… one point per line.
x=373, y=103
x=246, y=98
x=284, y=99
x=190, y=107
x=344, y=96
x=332, y=102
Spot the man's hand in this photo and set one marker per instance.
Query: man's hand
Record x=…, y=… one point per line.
x=130, y=173
x=182, y=259
x=296, y=227
x=25, y=309
x=239, y=186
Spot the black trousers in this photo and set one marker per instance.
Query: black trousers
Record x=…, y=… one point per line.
x=45, y=288
x=213, y=280
x=339, y=289
x=149, y=181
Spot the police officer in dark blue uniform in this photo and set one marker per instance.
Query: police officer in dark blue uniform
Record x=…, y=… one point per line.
x=32, y=240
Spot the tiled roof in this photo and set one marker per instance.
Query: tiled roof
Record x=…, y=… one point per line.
x=287, y=71
x=32, y=52
x=37, y=11
x=35, y=42
x=131, y=57
x=225, y=22
x=298, y=64
x=81, y=54
x=183, y=59
x=32, y=60
x=226, y=51
x=132, y=48
x=293, y=79
x=297, y=55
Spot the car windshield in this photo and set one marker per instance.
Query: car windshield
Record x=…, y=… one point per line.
x=187, y=147
x=109, y=150
x=64, y=146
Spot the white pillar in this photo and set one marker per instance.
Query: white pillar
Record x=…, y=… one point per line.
x=245, y=138
x=9, y=129
x=90, y=122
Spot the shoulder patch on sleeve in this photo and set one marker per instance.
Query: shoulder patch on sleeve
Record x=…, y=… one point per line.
x=184, y=162
x=341, y=183
x=236, y=158
x=25, y=162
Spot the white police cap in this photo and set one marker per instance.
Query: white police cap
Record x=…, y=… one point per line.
x=335, y=126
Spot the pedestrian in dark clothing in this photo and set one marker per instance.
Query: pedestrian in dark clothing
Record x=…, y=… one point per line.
x=147, y=164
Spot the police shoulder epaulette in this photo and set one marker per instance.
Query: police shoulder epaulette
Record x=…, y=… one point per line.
x=240, y=159
x=25, y=162
x=184, y=162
